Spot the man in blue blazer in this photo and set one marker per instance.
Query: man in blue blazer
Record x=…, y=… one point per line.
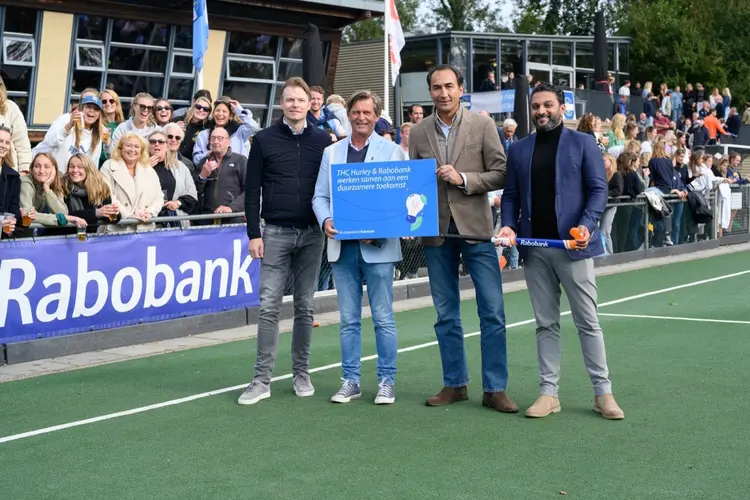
x=555, y=182
x=353, y=260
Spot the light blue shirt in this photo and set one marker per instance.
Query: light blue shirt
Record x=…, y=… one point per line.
x=294, y=132
x=446, y=129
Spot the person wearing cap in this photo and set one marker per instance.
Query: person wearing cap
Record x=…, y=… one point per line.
x=81, y=134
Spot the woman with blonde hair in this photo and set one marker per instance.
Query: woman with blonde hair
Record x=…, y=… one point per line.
x=42, y=191
x=628, y=224
x=727, y=101
x=616, y=134
x=112, y=117
x=141, y=121
x=615, y=183
x=10, y=185
x=87, y=195
x=12, y=118
x=175, y=178
x=238, y=123
x=133, y=183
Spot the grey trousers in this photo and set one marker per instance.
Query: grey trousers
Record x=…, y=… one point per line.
x=287, y=252
x=545, y=270
x=605, y=225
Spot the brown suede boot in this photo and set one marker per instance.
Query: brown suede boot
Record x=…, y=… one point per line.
x=499, y=401
x=448, y=395
x=543, y=406
x=607, y=407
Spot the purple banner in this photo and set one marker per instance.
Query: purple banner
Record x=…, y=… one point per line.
x=59, y=286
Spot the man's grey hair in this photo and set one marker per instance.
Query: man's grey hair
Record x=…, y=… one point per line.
x=363, y=95
x=510, y=122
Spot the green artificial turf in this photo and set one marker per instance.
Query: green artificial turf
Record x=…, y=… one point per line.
x=680, y=383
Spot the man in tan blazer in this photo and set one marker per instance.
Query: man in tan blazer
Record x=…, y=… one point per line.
x=471, y=163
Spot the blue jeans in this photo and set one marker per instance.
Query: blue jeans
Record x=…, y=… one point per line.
x=481, y=261
x=677, y=222
x=348, y=272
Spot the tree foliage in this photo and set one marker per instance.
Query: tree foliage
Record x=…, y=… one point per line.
x=372, y=29
x=467, y=15
x=673, y=41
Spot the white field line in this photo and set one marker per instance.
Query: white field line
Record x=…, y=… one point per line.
x=194, y=397
x=674, y=318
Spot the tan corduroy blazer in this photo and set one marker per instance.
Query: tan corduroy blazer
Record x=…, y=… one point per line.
x=477, y=153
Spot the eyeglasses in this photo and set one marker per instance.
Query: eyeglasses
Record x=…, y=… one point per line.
x=157, y=141
x=174, y=137
x=108, y=101
x=198, y=107
x=218, y=138
x=163, y=108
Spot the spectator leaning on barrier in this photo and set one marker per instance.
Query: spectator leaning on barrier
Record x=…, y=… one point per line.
x=42, y=191
x=283, y=164
x=12, y=118
x=10, y=185
x=355, y=261
x=176, y=180
x=471, y=162
x=133, y=183
x=544, y=198
x=87, y=195
x=235, y=120
x=221, y=179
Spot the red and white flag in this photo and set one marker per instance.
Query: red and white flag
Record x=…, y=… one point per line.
x=395, y=38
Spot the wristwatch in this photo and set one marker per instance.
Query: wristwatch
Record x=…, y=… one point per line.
x=179, y=204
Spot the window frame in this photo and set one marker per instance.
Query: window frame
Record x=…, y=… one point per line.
x=92, y=45
x=231, y=57
x=19, y=37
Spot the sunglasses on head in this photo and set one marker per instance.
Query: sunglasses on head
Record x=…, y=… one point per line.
x=174, y=137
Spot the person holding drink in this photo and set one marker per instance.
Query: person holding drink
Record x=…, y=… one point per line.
x=87, y=196
x=10, y=185
x=83, y=133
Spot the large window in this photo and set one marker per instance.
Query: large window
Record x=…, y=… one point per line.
x=623, y=54
x=131, y=57
x=419, y=56
x=19, y=39
x=484, y=54
x=585, y=54
x=539, y=52
x=511, y=56
x=256, y=67
x=562, y=54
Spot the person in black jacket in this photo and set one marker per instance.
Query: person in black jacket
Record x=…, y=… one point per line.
x=628, y=226
x=10, y=186
x=283, y=166
x=87, y=195
x=615, y=186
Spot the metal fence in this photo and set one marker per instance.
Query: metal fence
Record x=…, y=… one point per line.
x=634, y=228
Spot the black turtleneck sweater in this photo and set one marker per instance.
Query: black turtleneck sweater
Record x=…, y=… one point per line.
x=543, y=214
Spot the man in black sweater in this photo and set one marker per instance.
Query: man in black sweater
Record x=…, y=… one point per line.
x=283, y=166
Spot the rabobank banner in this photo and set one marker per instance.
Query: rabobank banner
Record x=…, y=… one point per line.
x=503, y=101
x=58, y=286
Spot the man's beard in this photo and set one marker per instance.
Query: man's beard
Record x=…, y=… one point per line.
x=552, y=122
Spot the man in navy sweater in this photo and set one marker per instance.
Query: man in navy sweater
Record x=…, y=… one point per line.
x=283, y=164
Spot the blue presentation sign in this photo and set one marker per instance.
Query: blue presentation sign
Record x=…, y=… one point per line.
x=391, y=199
x=59, y=286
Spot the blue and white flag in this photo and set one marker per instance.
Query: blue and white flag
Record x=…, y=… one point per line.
x=200, y=33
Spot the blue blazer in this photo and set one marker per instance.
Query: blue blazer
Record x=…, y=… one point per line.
x=580, y=185
x=379, y=149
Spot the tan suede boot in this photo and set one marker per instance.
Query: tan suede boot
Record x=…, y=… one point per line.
x=607, y=406
x=543, y=406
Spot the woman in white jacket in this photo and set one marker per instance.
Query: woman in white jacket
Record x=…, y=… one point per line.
x=82, y=133
x=11, y=117
x=142, y=120
x=133, y=183
x=238, y=122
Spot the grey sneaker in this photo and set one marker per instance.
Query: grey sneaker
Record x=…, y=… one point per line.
x=349, y=390
x=256, y=391
x=302, y=385
x=386, y=393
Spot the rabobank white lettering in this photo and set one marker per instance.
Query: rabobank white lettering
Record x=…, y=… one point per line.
x=532, y=243
x=135, y=294
x=85, y=292
x=18, y=295
x=84, y=278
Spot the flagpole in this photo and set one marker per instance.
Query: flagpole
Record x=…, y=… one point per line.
x=386, y=55
x=199, y=80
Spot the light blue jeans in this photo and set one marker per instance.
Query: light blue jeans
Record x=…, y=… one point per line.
x=349, y=272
